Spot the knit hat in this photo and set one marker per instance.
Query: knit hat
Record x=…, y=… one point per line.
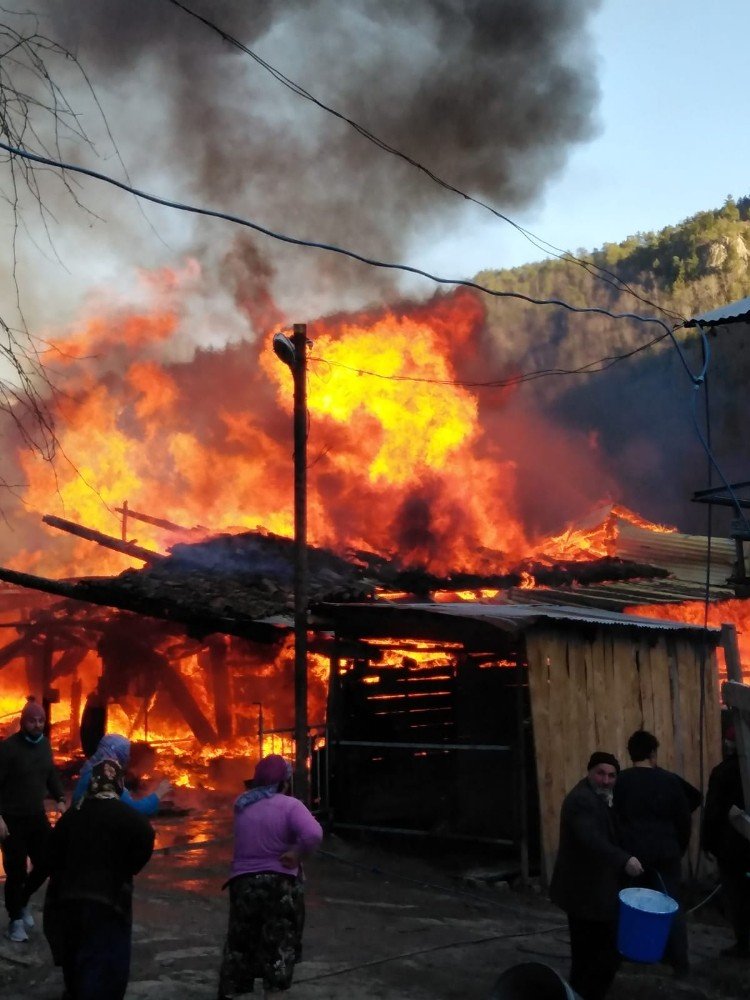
x=600, y=757
x=32, y=711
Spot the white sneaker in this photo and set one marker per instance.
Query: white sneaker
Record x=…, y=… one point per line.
x=28, y=918
x=16, y=931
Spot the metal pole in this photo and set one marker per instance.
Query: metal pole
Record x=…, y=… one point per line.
x=301, y=778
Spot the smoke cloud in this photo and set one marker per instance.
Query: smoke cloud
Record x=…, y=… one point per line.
x=490, y=95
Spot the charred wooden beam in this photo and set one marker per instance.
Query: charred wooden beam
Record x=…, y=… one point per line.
x=68, y=662
x=174, y=684
x=345, y=649
x=198, y=623
x=215, y=659
x=158, y=522
x=107, y=541
x=14, y=649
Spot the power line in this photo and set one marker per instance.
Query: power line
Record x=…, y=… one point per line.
x=331, y=248
x=604, y=274
x=587, y=369
x=696, y=379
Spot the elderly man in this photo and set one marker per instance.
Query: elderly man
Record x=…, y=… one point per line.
x=27, y=777
x=589, y=872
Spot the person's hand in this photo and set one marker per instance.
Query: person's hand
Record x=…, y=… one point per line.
x=290, y=858
x=163, y=788
x=633, y=867
x=61, y=805
x=3, y=829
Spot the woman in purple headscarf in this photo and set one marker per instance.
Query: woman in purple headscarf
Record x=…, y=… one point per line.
x=272, y=832
x=112, y=746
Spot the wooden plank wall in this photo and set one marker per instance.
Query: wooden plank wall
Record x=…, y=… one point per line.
x=591, y=691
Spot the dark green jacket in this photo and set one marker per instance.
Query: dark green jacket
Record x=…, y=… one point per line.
x=27, y=776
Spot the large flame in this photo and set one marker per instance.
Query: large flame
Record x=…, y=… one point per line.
x=406, y=457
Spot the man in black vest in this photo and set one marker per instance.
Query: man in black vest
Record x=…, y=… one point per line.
x=589, y=872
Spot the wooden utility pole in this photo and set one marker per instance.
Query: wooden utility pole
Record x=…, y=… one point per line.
x=299, y=370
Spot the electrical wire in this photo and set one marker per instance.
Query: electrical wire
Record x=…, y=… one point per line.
x=427, y=951
x=332, y=248
x=696, y=379
x=587, y=369
x=596, y=270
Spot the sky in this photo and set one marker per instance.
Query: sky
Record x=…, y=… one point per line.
x=673, y=136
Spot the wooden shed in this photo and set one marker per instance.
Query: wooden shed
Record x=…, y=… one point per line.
x=580, y=680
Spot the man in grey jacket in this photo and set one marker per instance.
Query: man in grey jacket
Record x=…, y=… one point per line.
x=589, y=872
x=27, y=777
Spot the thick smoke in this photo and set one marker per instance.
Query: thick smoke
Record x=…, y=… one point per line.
x=489, y=95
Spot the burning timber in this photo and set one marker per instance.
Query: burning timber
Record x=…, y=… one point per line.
x=235, y=583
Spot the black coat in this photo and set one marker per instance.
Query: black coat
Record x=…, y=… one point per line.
x=718, y=835
x=589, y=870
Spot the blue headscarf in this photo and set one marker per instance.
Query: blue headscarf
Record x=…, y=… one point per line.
x=111, y=746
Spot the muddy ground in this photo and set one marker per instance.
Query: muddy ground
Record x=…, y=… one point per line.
x=381, y=924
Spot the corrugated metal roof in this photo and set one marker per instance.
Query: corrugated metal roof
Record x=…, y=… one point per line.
x=735, y=312
x=685, y=558
x=511, y=617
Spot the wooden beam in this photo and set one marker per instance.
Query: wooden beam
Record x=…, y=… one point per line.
x=106, y=541
x=174, y=684
x=195, y=621
x=158, y=522
x=731, y=652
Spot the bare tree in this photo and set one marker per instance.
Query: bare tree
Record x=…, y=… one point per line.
x=35, y=115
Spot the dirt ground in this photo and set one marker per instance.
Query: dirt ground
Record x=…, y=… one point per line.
x=380, y=925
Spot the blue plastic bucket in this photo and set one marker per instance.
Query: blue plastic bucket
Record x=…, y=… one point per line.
x=645, y=919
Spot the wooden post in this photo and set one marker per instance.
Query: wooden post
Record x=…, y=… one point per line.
x=520, y=762
x=124, y=510
x=731, y=652
x=222, y=687
x=76, y=690
x=301, y=777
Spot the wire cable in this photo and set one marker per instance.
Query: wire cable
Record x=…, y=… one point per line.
x=332, y=248
x=604, y=274
x=696, y=379
x=587, y=369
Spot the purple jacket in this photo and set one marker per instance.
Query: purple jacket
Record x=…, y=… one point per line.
x=268, y=828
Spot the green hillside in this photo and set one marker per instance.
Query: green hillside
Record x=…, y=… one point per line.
x=688, y=268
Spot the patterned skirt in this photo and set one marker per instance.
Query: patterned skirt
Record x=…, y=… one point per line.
x=264, y=939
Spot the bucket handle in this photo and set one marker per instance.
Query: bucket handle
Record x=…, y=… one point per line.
x=661, y=881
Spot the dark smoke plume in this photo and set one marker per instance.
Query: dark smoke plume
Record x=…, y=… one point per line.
x=490, y=95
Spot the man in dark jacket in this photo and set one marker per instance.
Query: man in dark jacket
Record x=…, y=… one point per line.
x=589, y=872
x=653, y=808
x=730, y=848
x=27, y=777
x=96, y=849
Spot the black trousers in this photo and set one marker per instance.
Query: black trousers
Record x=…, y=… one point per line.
x=735, y=885
x=594, y=958
x=669, y=878
x=95, y=951
x=28, y=837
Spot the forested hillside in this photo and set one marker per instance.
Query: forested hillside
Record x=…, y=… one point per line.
x=642, y=412
x=701, y=263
